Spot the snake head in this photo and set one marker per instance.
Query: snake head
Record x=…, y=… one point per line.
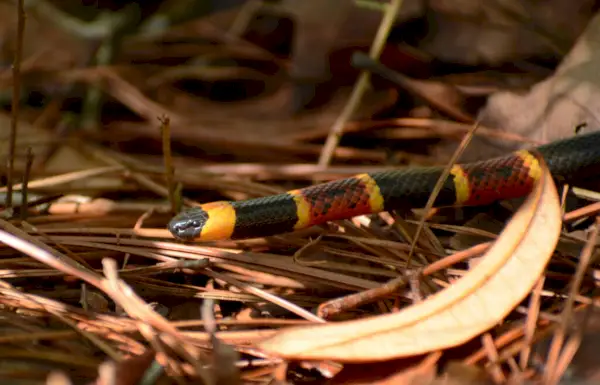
x=188, y=225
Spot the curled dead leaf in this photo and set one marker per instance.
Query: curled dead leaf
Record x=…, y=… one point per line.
x=472, y=305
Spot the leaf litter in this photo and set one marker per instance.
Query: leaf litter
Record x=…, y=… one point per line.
x=93, y=289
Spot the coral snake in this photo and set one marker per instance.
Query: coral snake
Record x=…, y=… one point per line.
x=478, y=183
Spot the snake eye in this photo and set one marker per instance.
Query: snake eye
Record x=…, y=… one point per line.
x=195, y=223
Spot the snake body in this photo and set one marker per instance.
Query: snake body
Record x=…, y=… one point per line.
x=477, y=183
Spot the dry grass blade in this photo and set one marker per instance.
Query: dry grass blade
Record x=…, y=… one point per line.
x=67, y=178
x=121, y=293
x=330, y=308
x=532, y=318
x=438, y=187
x=476, y=302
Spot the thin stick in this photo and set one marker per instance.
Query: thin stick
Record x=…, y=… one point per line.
x=531, y=323
x=360, y=87
x=165, y=130
x=16, y=95
x=335, y=306
x=25, y=189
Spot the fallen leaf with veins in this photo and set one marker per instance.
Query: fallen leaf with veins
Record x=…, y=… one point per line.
x=472, y=305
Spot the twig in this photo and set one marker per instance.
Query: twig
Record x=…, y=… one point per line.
x=16, y=95
x=361, y=85
x=165, y=131
x=531, y=323
x=335, y=306
x=415, y=87
x=25, y=189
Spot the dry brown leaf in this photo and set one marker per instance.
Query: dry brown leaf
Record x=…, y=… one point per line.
x=472, y=305
x=474, y=32
x=553, y=108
